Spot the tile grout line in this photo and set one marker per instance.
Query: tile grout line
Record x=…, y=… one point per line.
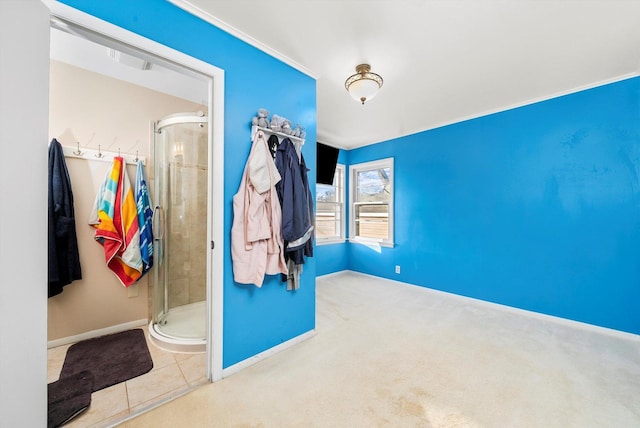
x=126, y=391
x=182, y=372
x=149, y=403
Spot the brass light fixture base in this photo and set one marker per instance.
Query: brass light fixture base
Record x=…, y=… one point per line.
x=366, y=89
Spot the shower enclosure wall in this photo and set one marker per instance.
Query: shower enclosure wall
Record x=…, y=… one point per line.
x=180, y=172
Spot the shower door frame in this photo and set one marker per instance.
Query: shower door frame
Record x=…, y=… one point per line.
x=110, y=35
x=162, y=205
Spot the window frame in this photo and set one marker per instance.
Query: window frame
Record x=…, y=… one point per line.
x=353, y=183
x=340, y=194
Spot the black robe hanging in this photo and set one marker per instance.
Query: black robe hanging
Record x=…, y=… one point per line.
x=64, y=260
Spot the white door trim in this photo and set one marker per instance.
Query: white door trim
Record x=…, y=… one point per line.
x=91, y=26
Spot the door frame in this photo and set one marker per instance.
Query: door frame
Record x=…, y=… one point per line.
x=92, y=28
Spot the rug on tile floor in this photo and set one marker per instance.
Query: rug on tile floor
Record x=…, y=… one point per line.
x=111, y=359
x=68, y=398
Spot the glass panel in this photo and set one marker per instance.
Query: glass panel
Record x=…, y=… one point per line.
x=186, y=232
x=327, y=219
x=373, y=185
x=372, y=221
x=328, y=208
x=159, y=303
x=325, y=211
x=182, y=189
x=325, y=193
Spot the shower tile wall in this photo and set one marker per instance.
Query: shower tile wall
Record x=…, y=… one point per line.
x=187, y=228
x=198, y=250
x=188, y=234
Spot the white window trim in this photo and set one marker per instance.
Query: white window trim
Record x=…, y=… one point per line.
x=337, y=239
x=353, y=169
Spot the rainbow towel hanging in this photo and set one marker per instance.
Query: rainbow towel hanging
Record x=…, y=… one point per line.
x=145, y=219
x=115, y=219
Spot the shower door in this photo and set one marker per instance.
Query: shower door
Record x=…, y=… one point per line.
x=180, y=226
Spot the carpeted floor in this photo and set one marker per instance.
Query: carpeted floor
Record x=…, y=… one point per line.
x=391, y=355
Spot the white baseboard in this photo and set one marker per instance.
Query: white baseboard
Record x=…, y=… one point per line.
x=579, y=325
x=96, y=333
x=336, y=273
x=266, y=354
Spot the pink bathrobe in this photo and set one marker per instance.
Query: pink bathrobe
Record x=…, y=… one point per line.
x=256, y=234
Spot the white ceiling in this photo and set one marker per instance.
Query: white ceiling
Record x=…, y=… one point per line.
x=77, y=50
x=442, y=61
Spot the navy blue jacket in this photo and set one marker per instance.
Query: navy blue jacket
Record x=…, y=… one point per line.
x=295, y=200
x=64, y=260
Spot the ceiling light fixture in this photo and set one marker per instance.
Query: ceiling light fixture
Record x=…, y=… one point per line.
x=363, y=85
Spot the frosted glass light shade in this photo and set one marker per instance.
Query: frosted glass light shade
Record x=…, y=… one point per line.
x=363, y=85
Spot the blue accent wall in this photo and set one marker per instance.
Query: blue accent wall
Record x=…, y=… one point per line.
x=536, y=208
x=254, y=319
x=331, y=258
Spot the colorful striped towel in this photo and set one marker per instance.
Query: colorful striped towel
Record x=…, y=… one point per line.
x=115, y=218
x=145, y=219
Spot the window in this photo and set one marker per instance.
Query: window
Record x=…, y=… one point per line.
x=371, y=201
x=330, y=209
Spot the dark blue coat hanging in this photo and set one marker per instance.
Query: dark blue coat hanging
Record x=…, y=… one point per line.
x=297, y=205
x=64, y=260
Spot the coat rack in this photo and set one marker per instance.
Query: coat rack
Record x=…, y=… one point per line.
x=100, y=155
x=268, y=131
x=297, y=141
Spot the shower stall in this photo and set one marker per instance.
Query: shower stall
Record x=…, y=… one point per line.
x=181, y=192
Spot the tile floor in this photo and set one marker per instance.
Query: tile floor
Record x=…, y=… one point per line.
x=173, y=374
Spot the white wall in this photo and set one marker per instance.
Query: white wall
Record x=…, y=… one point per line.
x=24, y=76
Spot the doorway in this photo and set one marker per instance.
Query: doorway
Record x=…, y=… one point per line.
x=141, y=53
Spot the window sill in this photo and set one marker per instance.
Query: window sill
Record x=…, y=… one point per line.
x=330, y=241
x=371, y=241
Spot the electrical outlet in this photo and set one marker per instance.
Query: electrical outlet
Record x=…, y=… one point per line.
x=397, y=268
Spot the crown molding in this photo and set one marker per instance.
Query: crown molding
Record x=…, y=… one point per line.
x=207, y=17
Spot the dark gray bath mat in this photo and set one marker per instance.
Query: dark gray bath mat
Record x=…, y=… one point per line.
x=68, y=398
x=111, y=359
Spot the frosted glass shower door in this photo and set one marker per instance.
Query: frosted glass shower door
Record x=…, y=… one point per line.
x=180, y=171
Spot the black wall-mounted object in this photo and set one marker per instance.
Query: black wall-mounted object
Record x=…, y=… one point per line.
x=326, y=160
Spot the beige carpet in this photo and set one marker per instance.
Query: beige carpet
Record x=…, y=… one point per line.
x=387, y=354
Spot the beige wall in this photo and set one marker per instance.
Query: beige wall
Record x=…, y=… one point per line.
x=94, y=110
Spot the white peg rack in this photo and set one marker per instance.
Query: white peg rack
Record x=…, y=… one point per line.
x=101, y=155
x=270, y=131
